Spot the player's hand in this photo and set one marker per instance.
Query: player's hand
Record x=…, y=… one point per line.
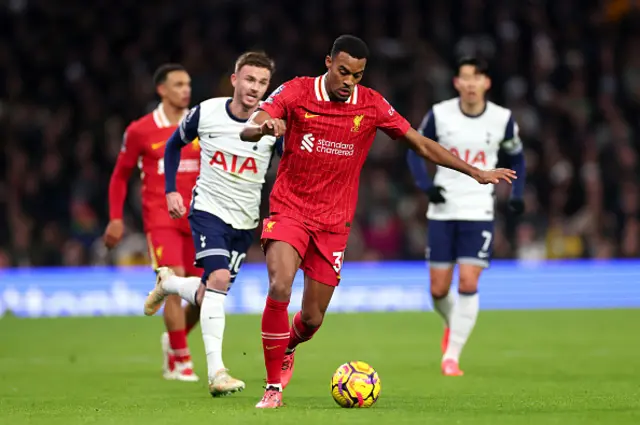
x=273, y=127
x=516, y=206
x=113, y=233
x=175, y=205
x=435, y=194
x=494, y=176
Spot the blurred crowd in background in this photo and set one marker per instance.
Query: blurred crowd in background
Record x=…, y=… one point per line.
x=75, y=76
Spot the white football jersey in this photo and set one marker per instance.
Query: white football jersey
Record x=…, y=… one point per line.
x=232, y=172
x=476, y=140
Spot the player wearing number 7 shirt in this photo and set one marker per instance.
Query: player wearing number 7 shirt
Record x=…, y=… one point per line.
x=331, y=122
x=461, y=212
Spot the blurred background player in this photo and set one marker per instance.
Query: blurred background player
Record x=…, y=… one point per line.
x=461, y=212
x=331, y=122
x=169, y=241
x=225, y=209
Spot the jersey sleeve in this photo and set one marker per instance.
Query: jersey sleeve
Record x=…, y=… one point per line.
x=428, y=126
x=186, y=132
x=511, y=143
x=279, y=103
x=130, y=152
x=188, y=128
x=388, y=119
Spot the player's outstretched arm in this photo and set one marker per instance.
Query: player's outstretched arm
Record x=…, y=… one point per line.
x=126, y=162
x=434, y=152
x=261, y=124
x=186, y=132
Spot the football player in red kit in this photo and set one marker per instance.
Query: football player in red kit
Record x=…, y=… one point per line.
x=170, y=242
x=329, y=123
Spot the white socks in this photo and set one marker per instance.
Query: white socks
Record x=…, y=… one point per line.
x=461, y=323
x=185, y=287
x=212, y=321
x=444, y=306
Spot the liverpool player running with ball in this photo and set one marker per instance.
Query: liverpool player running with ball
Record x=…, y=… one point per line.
x=461, y=211
x=169, y=240
x=331, y=122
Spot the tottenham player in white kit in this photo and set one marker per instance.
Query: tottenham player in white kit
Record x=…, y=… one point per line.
x=461, y=211
x=224, y=211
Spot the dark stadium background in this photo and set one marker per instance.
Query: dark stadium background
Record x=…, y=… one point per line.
x=75, y=73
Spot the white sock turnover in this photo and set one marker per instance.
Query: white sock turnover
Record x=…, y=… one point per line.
x=462, y=322
x=185, y=287
x=212, y=322
x=444, y=306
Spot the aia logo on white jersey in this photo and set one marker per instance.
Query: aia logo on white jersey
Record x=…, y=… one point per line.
x=308, y=142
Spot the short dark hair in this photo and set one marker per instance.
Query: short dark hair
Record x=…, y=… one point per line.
x=258, y=59
x=480, y=65
x=160, y=76
x=351, y=45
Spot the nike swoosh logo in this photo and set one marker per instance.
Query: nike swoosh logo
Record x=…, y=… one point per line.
x=158, y=145
x=273, y=347
x=308, y=115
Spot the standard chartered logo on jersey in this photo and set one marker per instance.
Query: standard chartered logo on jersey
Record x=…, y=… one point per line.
x=310, y=144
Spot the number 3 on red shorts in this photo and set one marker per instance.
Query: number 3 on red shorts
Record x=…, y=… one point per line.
x=338, y=261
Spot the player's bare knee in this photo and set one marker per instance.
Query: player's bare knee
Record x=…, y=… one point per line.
x=468, y=284
x=311, y=318
x=218, y=280
x=440, y=282
x=469, y=276
x=280, y=288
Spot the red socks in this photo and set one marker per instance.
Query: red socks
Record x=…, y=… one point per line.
x=178, y=344
x=299, y=332
x=275, y=336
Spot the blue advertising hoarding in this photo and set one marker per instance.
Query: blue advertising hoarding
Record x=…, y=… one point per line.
x=366, y=287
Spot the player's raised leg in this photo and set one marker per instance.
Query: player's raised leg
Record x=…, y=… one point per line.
x=441, y=257
x=473, y=246
x=322, y=265
x=168, y=283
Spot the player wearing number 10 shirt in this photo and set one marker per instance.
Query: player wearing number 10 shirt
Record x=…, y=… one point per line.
x=331, y=122
x=225, y=207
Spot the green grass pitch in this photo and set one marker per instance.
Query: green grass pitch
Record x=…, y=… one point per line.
x=544, y=367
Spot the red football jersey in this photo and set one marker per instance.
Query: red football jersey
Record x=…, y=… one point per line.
x=325, y=146
x=143, y=146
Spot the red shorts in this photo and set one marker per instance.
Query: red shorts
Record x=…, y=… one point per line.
x=170, y=247
x=321, y=251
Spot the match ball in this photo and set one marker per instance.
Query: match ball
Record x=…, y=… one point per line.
x=355, y=384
